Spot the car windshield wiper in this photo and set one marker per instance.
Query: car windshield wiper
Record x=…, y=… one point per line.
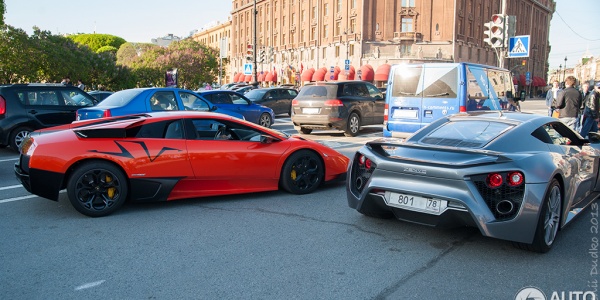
x=406, y=94
x=438, y=95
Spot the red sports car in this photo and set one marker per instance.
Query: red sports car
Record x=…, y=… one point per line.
x=169, y=156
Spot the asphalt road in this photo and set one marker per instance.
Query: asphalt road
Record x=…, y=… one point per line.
x=269, y=246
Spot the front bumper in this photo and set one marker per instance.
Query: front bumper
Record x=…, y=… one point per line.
x=43, y=183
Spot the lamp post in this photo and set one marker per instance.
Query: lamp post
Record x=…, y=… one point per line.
x=565, y=70
x=559, y=68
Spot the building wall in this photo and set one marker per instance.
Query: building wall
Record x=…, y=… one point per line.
x=212, y=37
x=321, y=33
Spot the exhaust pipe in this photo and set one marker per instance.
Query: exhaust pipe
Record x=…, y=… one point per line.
x=504, y=207
x=359, y=183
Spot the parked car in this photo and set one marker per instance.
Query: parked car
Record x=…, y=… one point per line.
x=236, y=102
x=278, y=99
x=134, y=101
x=343, y=105
x=27, y=107
x=100, y=95
x=227, y=86
x=515, y=176
x=168, y=156
x=244, y=89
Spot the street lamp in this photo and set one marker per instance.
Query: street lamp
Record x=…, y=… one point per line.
x=346, y=33
x=565, y=69
x=559, y=68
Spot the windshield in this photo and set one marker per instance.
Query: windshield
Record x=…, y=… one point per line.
x=465, y=134
x=255, y=94
x=120, y=98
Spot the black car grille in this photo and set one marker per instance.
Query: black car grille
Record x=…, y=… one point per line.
x=494, y=196
x=360, y=174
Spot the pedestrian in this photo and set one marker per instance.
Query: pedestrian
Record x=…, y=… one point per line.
x=590, y=110
x=208, y=87
x=568, y=103
x=80, y=84
x=551, y=97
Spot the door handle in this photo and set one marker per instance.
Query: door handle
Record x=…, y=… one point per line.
x=33, y=111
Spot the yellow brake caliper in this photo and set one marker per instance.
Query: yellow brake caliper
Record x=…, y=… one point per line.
x=110, y=191
x=293, y=174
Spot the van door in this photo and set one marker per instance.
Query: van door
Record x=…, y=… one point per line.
x=403, y=99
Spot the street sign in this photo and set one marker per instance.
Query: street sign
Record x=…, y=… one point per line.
x=518, y=46
x=347, y=62
x=247, y=69
x=347, y=67
x=332, y=69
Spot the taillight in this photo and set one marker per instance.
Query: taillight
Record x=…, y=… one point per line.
x=462, y=109
x=334, y=102
x=494, y=180
x=295, y=102
x=106, y=114
x=2, y=106
x=515, y=178
x=385, y=113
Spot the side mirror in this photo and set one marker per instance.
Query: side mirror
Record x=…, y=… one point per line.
x=594, y=137
x=266, y=139
x=213, y=108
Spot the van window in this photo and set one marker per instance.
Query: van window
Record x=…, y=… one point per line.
x=406, y=82
x=438, y=82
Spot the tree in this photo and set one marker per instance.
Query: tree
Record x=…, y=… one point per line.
x=18, y=54
x=2, y=11
x=97, y=41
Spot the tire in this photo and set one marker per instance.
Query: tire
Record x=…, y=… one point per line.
x=97, y=189
x=17, y=136
x=353, y=125
x=302, y=172
x=305, y=130
x=265, y=120
x=548, y=222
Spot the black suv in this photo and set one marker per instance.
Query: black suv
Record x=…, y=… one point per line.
x=343, y=105
x=28, y=107
x=277, y=98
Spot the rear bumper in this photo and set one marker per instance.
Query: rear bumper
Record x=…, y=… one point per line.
x=22, y=177
x=318, y=121
x=43, y=183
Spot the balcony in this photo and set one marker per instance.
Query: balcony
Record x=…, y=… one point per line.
x=408, y=36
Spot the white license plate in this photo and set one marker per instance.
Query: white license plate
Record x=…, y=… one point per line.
x=310, y=110
x=416, y=203
x=405, y=113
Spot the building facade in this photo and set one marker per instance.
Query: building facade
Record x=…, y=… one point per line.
x=307, y=40
x=218, y=36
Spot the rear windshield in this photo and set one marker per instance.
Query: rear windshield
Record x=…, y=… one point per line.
x=465, y=134
x=120, y=98
x=431, y=82
x=318, y=91
x=255, y=94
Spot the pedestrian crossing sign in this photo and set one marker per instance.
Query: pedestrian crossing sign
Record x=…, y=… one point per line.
x=518, y=46
x=247, y=69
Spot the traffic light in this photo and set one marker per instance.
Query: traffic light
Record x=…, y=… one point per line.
x=271, y=54
x=262, y=56
x=497, y=30
x=250, y=53
x=523, y=62
x=487, y=33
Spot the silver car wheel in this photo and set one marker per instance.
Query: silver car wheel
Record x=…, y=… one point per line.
x=265, y=120
x=552, y=217
x=354, y=124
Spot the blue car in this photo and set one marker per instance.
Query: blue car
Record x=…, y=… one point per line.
x=135, y=101
x=236, y=102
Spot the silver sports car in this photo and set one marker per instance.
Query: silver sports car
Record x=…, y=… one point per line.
x=515, y=176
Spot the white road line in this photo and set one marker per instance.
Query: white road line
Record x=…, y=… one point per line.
x=10, y=187
x=10, y=159
x=89, y=285
x=17, y=198
x=24, y=197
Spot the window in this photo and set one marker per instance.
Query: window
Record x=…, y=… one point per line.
x=194, y=102
x=221, y=130
x=314, y=12
x=325, y=30
x=326, y=9
x=408, y=3
x=337, y=51
x=339, y=6
x=163, y=101
x=313, y=33
x=324, y=52
x=353, y=4
x=353, y=25
x=351, y=50
x=407, y=25
x=338, y=28
x=466, y=134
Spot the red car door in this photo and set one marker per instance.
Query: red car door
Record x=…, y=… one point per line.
x=239, y=164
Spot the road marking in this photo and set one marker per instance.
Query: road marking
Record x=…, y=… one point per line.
x=89, y=285
x=10, y=187
x=17, y=198
x=10, y=159
x=24, y=197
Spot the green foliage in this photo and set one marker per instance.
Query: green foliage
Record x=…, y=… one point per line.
x=107, y=49
x=2, y=11
x=97, y=41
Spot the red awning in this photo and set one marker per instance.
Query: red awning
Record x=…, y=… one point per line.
x=515, y=81
x=382, y=73
x=271, y=76
x=260, y=77
x=248, y=78
x=538, y=81
x=236, y=77
x=367, y=73
x=351, y=73
x=307, y=74
x=319, y=75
